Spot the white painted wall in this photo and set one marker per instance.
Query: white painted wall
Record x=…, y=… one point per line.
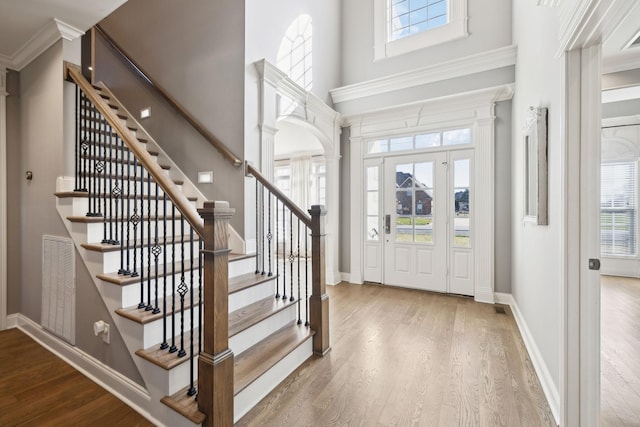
x=489, y=28
x=536, y=267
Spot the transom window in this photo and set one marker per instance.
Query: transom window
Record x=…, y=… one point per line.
x=408, y=17
x=420, y=141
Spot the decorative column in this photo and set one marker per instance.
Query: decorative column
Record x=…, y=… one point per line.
x=332, y=162
x=3, y=198
x=484, y=141
x=319, y=300
x=215, y=363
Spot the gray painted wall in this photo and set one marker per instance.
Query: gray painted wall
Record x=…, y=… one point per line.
x=39, y=146
x=503, y=189
x=489, y=28
x=536, y=267
x=14, y=181
x=197, y=54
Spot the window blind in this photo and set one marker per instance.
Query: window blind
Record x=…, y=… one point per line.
x=618, y=209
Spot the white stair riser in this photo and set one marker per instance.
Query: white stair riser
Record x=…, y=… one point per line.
x=80, y=207
x=169, y=382
x=250, y=336
x=239, y=299
x=96, y=231
x=254, y=392
x=134, y=206
x=242, y=266
x=129, y=295
x=152, y=331
x=111, y=260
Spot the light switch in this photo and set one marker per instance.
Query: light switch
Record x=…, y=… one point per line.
x=205, y=177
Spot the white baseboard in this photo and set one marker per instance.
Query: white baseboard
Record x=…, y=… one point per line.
x=12, y=321
x=346, y=277
x=114, y=382
x=548, y=387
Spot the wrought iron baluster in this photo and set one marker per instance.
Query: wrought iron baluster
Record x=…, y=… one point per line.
x=85, y=145
x=269, y=235
x=200, y=329
x=182, y=289
x=101, y=156
x=306, y=274
x=105, y=180
x=284, y=253
x=134, y=219
x=142, y=303
x=276, y=249
x=192, y=389
x=79, y=121
x=127, y=269
x=164, y=344
x=299, y=302
x=291, y=258
x=116, y=190
x=110, y=173
x=149, y=306
x=257, y=231
x=262, y=239
x=156, y=250
x=173, y=347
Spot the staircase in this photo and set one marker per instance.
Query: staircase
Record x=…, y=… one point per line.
x=185, y=306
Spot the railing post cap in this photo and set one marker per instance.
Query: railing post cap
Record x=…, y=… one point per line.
x=218, y=208
x=317, y=210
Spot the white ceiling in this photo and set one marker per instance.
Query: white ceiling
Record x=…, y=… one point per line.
x=22, y=21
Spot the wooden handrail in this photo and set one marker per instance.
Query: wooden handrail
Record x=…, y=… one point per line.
x=302, y=215
x=215, y=142
x=155, y=170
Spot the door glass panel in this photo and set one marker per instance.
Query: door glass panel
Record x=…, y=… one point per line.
x=373, y=204
x=461, y=191
x=423, y=184
x=404, y=202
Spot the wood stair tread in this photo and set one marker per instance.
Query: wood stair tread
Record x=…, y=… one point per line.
x=248, y=366
x=166, y=360
x=245, y=281
x=143, y=316
x=123, y=280
x=239, y=257
x=256, y=360
x=185, y=405
x=254, y=313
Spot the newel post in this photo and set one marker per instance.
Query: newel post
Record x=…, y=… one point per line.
x=215, y=364
x=319, y=300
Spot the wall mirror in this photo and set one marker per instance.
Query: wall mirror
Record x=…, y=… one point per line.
x=536, y=178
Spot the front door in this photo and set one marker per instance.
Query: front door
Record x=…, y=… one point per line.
x=427, y=222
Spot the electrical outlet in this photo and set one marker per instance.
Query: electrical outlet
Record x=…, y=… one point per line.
x=102, y=328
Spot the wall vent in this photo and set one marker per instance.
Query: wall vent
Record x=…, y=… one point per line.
x=58, y=287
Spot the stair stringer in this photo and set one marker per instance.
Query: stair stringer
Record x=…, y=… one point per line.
x=106, y=290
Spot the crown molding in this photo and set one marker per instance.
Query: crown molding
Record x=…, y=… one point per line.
x=484, y=61
x=50, y=33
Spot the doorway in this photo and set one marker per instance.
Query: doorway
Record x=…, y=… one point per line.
x=419, y=220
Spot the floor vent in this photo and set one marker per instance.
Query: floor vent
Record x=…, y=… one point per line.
x=59, y=287
x=500, y=310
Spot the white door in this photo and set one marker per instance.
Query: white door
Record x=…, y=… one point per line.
x=427, y=223
x=415, y=221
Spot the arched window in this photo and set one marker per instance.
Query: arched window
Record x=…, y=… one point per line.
x=295, y=53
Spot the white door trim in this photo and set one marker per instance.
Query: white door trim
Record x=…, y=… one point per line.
x=3, y=198
x=471, y=109
x=583, y=26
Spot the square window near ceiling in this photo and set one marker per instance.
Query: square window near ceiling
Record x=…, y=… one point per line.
x=379, y=146
x=456, y=137
x=401, y=144
x=428, y=140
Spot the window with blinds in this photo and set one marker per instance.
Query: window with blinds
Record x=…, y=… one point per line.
x=618, y=204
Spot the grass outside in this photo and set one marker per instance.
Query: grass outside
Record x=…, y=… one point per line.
x=418, y=221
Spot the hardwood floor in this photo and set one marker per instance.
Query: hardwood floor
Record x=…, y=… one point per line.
x=404, y=358
x=39, y=389
x=620, y=349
